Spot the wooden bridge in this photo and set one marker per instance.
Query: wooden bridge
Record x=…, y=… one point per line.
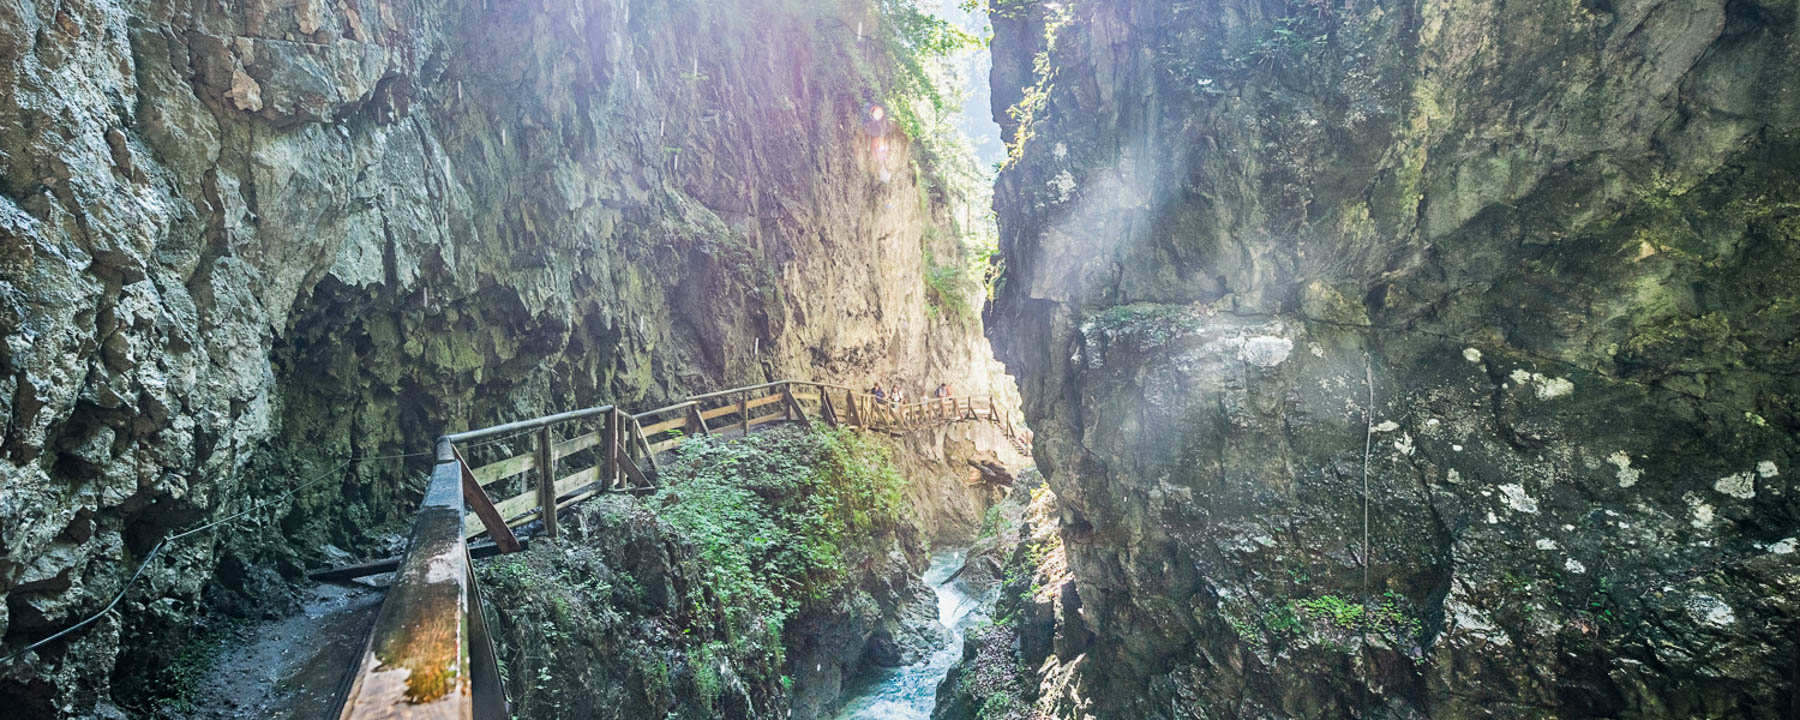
x=430, y=653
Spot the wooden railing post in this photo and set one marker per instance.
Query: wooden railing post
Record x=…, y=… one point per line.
x=644, y=445
x=794, y=411
x=477, y=498
x=696, y=424
x=826, y=408
x=546, y=466
x=609, y=472
x=744, y=413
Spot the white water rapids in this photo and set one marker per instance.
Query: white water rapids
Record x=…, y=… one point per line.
x=909, y=693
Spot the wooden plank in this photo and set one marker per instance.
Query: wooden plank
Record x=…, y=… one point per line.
x=636, y=475
x=719, y=412
x=809, y=397
x=697, y=424
x=774, y=397
x=665, y=426
x=666, y=445
x=767, y=419
x=644, y=444
x=795, y=412
x=490, y=519
x=547, y=481
x=523, y=508
x=575, y=480
x=509, y=467
x=592, y=490
x=574, y=445
x=519, y=507
x=665, y=409
x=376, y=567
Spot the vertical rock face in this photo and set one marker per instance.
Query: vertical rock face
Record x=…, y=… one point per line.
x=1481, y=312
x=241, y=241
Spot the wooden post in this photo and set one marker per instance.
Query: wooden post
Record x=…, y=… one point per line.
x=744, y=413
x=826, y=409
x=794, y=411
x=856, y=417
x=477, y=498
x=609, y=471
x=644, y=444
x=696, y=425
x=634, y=473
x=546, y=465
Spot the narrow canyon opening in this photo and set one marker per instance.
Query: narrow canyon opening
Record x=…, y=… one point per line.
x=899, y=359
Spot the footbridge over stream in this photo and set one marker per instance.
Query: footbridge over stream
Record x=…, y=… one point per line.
x=430, y=654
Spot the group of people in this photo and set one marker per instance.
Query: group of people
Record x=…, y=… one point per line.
x=895, y=396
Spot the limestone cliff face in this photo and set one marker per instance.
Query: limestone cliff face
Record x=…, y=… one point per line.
x=1522, y=270
x=241, y=241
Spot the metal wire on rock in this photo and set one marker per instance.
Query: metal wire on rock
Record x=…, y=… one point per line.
x=178, y=537
x=1368, y=451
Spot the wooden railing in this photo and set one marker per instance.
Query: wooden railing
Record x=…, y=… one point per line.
x=430, y=655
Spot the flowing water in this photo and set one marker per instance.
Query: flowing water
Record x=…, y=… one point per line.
x=908, y=693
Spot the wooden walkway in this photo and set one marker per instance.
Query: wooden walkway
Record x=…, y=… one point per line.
x=430, y=654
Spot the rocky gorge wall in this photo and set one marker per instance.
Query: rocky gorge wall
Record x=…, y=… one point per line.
x=242, y=242
x=1518, y=274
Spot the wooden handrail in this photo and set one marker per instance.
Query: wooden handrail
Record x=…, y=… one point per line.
x=417, y=663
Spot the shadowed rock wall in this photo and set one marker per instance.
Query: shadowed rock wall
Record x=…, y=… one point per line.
x=1536, y=258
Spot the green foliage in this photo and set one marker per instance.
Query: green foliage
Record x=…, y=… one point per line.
x=1007, y=9
x=990, y=265
x=1600, y=606
x=1345, y=614
x=1338, y=611
x=916, y=40
x=1322, y=619
x=945, y=289
x=1287, y=40
x=770, y=516
x=766, y=525
x=997, y=706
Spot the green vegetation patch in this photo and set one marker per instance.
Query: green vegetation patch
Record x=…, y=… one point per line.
x=674, y=605
x=1325, y=619
x=771, y=517
x=917, y=40
x=946, y=289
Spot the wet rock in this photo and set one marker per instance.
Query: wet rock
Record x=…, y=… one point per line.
x=1264, y=265
x=241, y=243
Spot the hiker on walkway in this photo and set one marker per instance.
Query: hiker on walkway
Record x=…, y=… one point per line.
x=879, y=394
x=946, y=404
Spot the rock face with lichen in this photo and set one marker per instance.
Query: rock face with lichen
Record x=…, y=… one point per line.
x=1412, y=359
x=242, y=241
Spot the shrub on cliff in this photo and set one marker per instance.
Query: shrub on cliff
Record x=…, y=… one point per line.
x=772, y=517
